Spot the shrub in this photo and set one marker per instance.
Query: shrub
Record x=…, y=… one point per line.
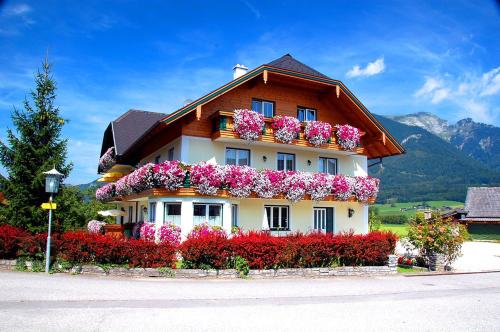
x=95, y=226
x=10, y=240
x=395, y=219
x=148, y=230
x=259, y=249
x=170, y=233
x=437, y=236
x=205, y=250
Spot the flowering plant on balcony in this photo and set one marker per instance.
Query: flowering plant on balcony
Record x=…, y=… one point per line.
x=95, y=226
x=108, y=159
x=366, y=187
x=348, y=136
x=318, y=132
x=169, y=174
x=170, y=233
x=295, y=185
x=148, y=231
x=105, y=192
x=343, y=186
x=285, y=128
x=142, y=178
x=123, y=187
x=207, y=177
x=248, y=124
x=239, y=180
x=269, y=183
x=320, y=186
x=201, y=230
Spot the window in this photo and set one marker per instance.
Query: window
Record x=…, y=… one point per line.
x=130, y=214
x=210, y=213
x=152, y=212
x=171, y=154
x=172, y=213
x=328, y=165
x=157, y=159
x=234, y=215
x=264, y=107
x=239, y=157
x=277, y=217
x=286, y=162
x=306, y=114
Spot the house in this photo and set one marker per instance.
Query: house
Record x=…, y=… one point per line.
x=482, y=205
x=203, y=131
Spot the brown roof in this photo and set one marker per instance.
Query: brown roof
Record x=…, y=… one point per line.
x=483, y=202
x=287, y=62
x=130, y=126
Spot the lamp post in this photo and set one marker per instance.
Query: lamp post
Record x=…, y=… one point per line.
x=52, y=181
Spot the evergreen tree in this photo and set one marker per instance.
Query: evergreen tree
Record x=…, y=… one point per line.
x=35, y=147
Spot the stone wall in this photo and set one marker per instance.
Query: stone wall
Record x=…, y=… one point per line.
x=390, y=268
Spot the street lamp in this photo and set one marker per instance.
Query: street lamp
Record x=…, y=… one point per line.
x=52, y=180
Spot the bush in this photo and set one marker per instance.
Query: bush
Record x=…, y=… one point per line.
x=10, y=241
x=437, y=236
x=263, y=251
x=395, y=219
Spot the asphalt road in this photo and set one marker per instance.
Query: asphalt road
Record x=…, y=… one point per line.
x=37, y=302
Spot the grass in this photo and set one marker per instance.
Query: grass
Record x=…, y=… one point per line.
x=400, y=230
x=387, y=209
x=403, y=269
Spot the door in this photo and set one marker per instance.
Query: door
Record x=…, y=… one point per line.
x=323, y=220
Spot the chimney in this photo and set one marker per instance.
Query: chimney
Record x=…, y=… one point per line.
x=239, y=70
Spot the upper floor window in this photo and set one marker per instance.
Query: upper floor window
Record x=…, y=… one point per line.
x=239, y=157
x=286, y=162
x=264, y=107
x=328, y=165
x=171, y=154
x=306, y=114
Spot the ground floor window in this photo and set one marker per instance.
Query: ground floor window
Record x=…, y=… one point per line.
x=278, y=217
x=152, y=212
x=207, y=213
x=172, y=213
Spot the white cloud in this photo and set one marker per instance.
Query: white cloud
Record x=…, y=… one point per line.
x=473, y=95
x=372, y=68
x=18, y=10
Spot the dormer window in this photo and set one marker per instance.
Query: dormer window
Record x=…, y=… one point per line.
x=305, y=114
x=264, y=107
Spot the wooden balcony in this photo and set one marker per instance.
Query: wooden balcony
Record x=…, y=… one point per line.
x=222, y=129
x=221, y=193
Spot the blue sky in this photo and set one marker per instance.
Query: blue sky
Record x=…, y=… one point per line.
x=397, y=57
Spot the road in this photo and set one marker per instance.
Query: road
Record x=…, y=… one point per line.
x=38, y=302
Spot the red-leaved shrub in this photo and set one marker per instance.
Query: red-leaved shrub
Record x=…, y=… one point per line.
x=10, y=239
x=207, y=250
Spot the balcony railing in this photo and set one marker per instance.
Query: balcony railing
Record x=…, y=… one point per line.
x=222, y=127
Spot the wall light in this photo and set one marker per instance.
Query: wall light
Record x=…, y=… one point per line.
x=350, y=212
x=264, y=158
x=308, y=163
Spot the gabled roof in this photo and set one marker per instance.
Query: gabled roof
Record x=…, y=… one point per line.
x=130, y=126
x=483, y=202
x=287, y=62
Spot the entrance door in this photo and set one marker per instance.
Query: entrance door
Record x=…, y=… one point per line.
x=323, y=220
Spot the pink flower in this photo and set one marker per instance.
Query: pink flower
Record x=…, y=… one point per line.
x=348, y=137
x=318, y=132
x=107, y=160
x=239, y=180
x=248, y=124
x=169, y=175
x=170, y=233
x=320, y=186
x=269, y=183
x=366, y=187
x=343, y=186
x=207, y=178
x=95, y=226
x=148, y=231
x=286, y=128
x=296, y=185
x=204, y=229
x=105, y=192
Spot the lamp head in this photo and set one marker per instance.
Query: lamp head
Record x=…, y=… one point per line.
x=52, y=181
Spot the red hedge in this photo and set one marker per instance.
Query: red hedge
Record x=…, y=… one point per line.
x=10, y=241
x=263, y=251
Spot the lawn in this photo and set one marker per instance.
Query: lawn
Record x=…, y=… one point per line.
x=400, y=230
x=484, y=232
x=387, y=209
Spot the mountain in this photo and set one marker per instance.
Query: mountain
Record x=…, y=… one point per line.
x=431, y=169
x=478, y=140
x=90, y=184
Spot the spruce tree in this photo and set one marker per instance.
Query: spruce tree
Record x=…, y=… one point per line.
x=33, y=148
